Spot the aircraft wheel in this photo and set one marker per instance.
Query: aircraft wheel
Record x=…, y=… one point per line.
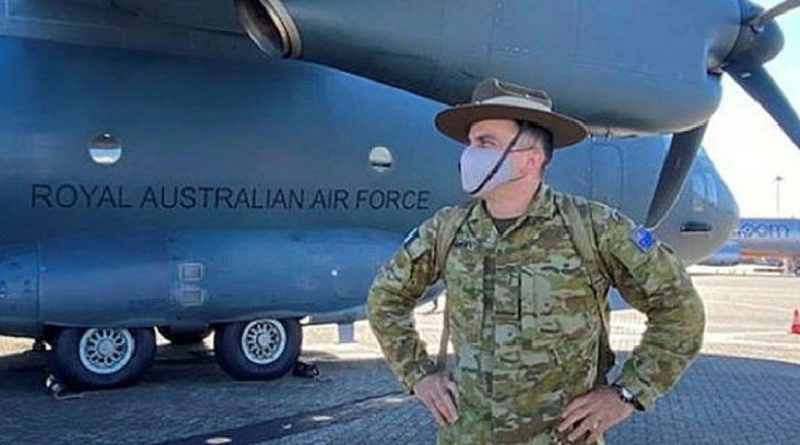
x=184, y=336
x=258, y=350
x=99, y=358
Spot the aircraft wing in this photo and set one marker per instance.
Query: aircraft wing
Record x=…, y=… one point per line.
x=204, y=28
x=667, y=82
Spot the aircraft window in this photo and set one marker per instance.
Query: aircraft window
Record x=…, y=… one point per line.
x=105, y=149
x=698, y=193
x=711, y=189
x=381, y=159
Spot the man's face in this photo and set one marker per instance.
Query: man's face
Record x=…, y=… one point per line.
x=526, y=157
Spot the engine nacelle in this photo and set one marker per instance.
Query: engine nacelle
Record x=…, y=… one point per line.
x=623, y=67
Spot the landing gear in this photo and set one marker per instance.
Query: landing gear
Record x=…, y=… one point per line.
x=258, y=350
x=184, y=336
x=99, y=358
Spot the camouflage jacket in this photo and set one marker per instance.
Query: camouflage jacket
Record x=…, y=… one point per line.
x=525, y=324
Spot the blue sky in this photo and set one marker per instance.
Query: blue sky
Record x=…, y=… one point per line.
x=746, y=145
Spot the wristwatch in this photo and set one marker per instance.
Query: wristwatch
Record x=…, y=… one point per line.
x=627, y=396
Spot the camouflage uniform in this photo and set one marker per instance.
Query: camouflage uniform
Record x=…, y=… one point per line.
x=525, y=324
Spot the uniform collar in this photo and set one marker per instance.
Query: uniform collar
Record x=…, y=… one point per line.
x=543, y=203
x=541, y=206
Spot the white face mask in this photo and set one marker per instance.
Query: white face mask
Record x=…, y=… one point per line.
x=482, y=169
x=477, y=164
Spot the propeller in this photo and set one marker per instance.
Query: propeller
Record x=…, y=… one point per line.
x=760, y=40
x=761, y=87
x=674, y=171
x=775, y=11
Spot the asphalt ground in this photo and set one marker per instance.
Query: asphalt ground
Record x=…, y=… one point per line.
x=744, y=388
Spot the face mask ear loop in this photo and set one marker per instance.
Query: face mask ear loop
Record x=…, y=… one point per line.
x=497, y=165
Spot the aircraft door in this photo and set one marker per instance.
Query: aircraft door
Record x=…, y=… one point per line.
x=607, y=174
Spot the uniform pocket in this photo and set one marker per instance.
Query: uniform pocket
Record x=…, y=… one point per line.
x=537, y=304
x=466, y=316
x=507, y=294
x=555, y=302
x=464, y=284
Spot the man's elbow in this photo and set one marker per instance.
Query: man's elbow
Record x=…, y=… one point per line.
x=373, y=303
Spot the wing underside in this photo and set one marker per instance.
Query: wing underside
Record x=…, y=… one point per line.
x=202, y=28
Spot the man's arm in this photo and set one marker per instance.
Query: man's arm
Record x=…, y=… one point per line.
x=395, y=292
x=654, y=281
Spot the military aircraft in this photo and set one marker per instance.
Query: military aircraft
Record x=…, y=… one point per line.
x=160, y=173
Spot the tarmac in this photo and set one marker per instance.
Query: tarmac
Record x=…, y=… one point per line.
x=744, y=388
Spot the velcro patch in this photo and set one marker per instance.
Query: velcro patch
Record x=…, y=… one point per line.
x=644, y=239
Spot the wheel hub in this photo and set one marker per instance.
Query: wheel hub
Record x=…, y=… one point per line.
x=106, y=351
x=106, y=348
x=263, y=341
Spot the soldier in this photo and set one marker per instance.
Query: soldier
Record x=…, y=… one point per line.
x=526, y=271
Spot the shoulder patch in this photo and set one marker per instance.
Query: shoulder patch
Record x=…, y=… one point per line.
x=644, y=239
x=411, y=237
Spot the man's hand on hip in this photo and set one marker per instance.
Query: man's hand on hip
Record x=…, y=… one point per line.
x=439, y=393
x=593, y=414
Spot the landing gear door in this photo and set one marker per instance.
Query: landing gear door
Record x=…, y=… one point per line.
x=607, y=174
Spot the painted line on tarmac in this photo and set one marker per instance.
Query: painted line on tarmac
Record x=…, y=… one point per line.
x=721, y=336
x=782, y=310
x=766, y=344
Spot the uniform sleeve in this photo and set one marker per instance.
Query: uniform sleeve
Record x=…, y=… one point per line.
x=654, y=281
x=395, y=292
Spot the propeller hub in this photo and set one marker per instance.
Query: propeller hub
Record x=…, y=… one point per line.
x=756, y=45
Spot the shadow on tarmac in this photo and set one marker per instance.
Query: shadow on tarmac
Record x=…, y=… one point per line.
x=185, y=399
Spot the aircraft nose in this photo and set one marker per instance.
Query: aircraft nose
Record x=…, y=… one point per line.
x=728, y=208
x=716, y=207
x=704, y=216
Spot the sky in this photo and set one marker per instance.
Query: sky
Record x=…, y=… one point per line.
x=746, y=145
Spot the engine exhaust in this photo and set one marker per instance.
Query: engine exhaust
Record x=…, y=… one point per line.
x=271, y=27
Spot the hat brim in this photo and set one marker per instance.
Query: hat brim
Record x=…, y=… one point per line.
x=455, y=122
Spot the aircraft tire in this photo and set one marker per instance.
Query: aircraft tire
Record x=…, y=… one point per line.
x=184, y=336
x=102, y=358
x=263, y=349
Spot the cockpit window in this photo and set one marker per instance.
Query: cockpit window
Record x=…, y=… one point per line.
x=711, y=189
x=698, y=193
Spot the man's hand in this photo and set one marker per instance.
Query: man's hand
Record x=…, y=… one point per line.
x=594, y=413
x=439, y=393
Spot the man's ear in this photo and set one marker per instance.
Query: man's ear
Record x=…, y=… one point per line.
x=538, y=158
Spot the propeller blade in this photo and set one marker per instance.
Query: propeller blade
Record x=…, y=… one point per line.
x=757, y=82
x=775, y=11
x=682, y=151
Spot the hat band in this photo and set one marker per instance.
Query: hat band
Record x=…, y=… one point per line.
x=516, y=102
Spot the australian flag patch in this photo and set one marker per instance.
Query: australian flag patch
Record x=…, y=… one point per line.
x=644, y=239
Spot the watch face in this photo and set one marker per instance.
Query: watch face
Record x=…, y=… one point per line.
x=627, y=394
